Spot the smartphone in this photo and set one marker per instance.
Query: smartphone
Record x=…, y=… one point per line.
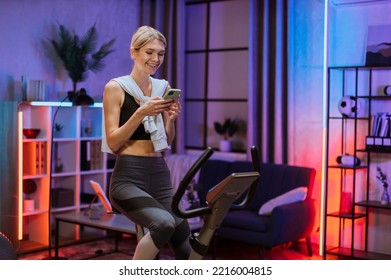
x=172, y=93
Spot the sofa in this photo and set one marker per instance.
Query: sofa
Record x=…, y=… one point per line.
x=7, y=251
x=285, y=191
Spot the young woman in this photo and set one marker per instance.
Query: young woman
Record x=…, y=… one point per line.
x=139, y=126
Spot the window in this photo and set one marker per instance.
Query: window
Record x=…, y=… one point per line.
x=216, y=77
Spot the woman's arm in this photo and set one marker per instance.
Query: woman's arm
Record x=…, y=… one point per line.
x=113, y=98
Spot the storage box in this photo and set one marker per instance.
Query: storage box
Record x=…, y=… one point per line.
x=87, y=197
x=378, y=144
x=62, y=197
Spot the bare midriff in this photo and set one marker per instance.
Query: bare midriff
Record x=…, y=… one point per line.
x=139, y=148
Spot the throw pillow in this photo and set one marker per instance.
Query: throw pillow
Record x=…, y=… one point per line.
x=295, y=195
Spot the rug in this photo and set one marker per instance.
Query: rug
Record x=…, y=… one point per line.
x=103, y=249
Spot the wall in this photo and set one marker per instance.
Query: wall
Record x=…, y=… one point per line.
x=25, y=25
x=305, y=88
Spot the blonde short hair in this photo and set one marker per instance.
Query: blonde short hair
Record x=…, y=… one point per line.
x=144, y=34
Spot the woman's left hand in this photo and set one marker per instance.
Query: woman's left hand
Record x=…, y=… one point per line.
x=174, y=110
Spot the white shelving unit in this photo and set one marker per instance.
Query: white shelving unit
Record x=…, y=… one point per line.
x=77, y=159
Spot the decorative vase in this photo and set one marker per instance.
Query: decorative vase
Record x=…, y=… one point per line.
x=71, y=95
x=86, y=128
x=385, y=198
x=346, y=203
x=58, y=134
x=28, y=205
x=58, y=167
x=225, y=146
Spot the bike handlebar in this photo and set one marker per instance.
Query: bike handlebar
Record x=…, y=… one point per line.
x=183, y=186
x=189, y=177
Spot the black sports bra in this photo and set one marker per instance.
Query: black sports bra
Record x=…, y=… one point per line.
x=127, y=110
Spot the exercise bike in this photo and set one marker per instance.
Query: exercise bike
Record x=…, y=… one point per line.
x=219, y=201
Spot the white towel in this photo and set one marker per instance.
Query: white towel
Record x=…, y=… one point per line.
x=153, y=125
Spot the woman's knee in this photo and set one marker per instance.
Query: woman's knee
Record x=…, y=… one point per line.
x=162, y=230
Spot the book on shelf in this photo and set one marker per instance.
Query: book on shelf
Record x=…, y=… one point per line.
x=90, y=156
x=380, y=125
x=379, y=139
x=96, y=155
x=34, y=162
x=85, y=155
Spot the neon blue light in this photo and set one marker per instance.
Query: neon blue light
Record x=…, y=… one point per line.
x=62, y=104
x=324, y=125
x=50, y=103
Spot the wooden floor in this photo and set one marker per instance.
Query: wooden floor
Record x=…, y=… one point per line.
x=103, y=249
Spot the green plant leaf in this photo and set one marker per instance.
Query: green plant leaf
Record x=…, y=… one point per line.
x=89, y=41
x=77, y=54
x=219, y=128
x=227, y=129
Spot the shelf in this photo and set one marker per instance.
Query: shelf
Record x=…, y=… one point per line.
x=64, y=174
x=346, y=216
x=91, y=172
x=373, y=204
x=38, y=176
x=375, y=97
x=28, y=246
x=348, y=166
x=373, y=151
x=34, y=212
x=352, y=118
x=357, y=254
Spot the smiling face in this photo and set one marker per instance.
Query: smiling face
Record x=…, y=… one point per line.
x=149, y=57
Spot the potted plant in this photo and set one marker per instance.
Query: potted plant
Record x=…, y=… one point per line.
x=227, y=129
x=78, y=54
x=57, y=129
x=29, y=187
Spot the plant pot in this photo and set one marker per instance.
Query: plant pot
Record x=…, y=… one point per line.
x=71, y=95
x=28, y=205
x=58, y=134
x=225, y=146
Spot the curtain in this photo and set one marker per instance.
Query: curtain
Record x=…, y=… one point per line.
x=268, y=81
x=167, y=16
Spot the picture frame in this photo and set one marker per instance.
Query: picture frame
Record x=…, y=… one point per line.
x=378, y=50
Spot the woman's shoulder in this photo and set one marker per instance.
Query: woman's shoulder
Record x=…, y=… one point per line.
x=112, y=85
x=112, y=88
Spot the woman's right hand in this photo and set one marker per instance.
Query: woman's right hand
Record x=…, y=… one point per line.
x=155, y=106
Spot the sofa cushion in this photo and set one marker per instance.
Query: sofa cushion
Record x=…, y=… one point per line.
x=295, y=195
x=246, y=220
x=277, y=179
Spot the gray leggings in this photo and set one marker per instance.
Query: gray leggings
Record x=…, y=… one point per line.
x=141, y=189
